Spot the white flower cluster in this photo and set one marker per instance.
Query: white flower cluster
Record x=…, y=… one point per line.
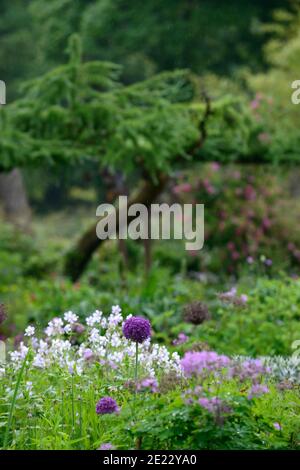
x=101, y=341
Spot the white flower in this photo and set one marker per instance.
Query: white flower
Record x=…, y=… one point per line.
x=70, y=317
x=55, y=327
x=29, y=331
x=94, y=335
x=94, y=318
x=116, y=309
x=28, y=387
x=115, y=340
x=105, y=342
x=39, y=361
x=114, y=319
x=68, y=329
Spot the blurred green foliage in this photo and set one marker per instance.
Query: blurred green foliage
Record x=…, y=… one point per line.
x=144, y=37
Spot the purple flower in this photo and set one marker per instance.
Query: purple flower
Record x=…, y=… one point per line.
x=232, y=297
x=181, y=339
x=244, y=298
x=277, y=426
x=107, y=446
x=106, y=405
x=88, y=354
x=137, y=329
x=217, y=407
x=257, y=390
x=150, y=384
x=210, y=404
x=197, y=363
x=78, y=328
x=254, y=104
x=250, y=369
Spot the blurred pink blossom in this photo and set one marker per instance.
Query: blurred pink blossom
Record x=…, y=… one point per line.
x=182, y=188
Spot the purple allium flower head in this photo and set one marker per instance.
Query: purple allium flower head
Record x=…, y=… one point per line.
x=137, y=329
x=196, y=313
x=106, y=405
x=106, y=446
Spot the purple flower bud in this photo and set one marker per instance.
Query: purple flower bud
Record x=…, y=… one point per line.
x=78, y=328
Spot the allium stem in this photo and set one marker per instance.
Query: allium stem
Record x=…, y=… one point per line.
x=73, y=410
x=136, y=365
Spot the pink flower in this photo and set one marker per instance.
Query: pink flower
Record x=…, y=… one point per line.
x=266, y=222
x=254, y=104
x=259, y=96
x=215, y=166
x=235, y=255
x=249, y=193
x=209, y=187
x=182, y=188
x=264, y=137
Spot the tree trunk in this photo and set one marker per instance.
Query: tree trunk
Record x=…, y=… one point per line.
x=80, y=255
x=14, y=199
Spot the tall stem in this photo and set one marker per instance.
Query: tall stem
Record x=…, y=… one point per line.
x=136, y=364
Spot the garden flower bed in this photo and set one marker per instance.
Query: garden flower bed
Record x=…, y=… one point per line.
x=103, y=385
